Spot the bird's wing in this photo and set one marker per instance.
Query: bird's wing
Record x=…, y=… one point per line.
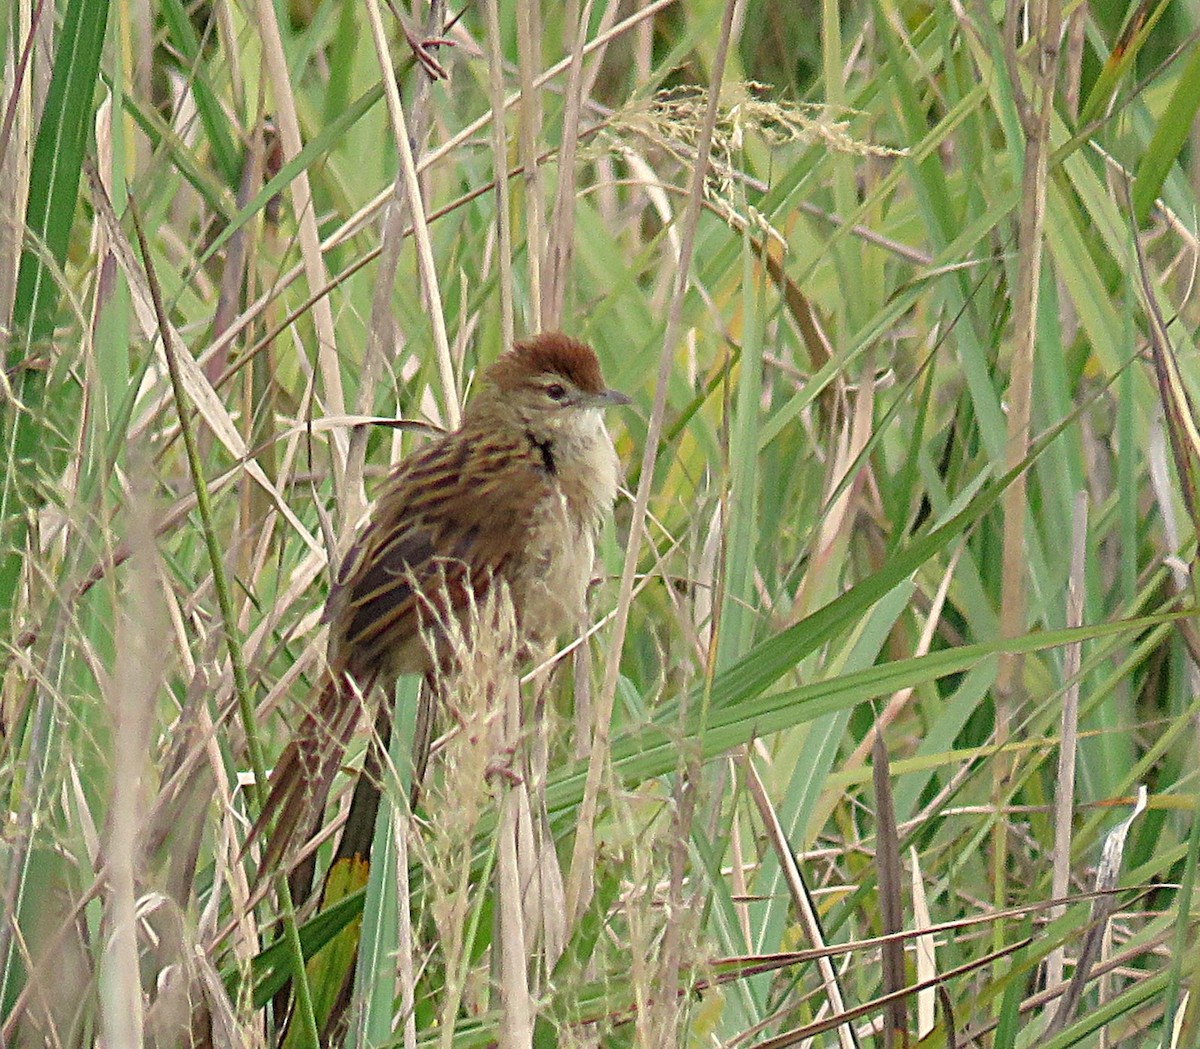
x=449, y=519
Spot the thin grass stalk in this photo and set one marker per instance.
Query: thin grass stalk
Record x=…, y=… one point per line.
x=1037, y=1001
x=236, y=265
x=891, y=903
x=425, y=263
x=405, y=968
x=847, y=470
x=380, y=336
x=779, y=960
x=516, y=1005
x=643, y=47
x=845, y=177
x=431, y=72
x=499, y=139
x=1104, y=905
x=561, y=235
x=801, y=899
x=1181, y=422
x=1035, y=109
x=900, y=700
x=582, y=852
x=1104, y=983
x=141, y=626
x=381, y=331
x=185, y=42
x=798, y=1035
x=16, y=136
x=1077, y=23
x=131, y=701
x=200, y=393
x=544, y=897
x=739, y=887
x=241, y=681
x=669, y=1001
x=641, y=936
x=529, y=38
x=591, y=71
x=924, y=947
x=310, y=242
x=1064, y=789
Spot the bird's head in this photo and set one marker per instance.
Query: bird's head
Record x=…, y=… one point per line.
x=552, y=382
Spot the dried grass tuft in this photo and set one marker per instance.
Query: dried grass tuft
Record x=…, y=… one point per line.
x=671, y=120
x=482, y=646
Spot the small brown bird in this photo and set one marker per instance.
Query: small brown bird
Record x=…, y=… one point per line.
x=519, y=493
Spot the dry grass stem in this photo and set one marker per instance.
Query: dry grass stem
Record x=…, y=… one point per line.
x=1064, y=794
x=412, y=187
x=1103, y=907
x=516, y=1025
x=499, y=143
x=561, y=234
x=1045, y=20
x=1035, y=111
x=925, y=949
x=582, y=854
x=131, y=702
x=310, y=245
x=529, y=46
x=801, y=898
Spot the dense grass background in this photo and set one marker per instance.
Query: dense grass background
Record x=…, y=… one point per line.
x=895, y=621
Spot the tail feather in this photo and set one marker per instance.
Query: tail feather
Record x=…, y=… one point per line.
x=331, y=972
x=359, y=828
x=302, y=778
x=423, y=733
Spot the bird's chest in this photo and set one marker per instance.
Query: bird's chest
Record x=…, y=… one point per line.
x=551, y=580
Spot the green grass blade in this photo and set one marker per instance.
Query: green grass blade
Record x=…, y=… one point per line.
x=58, y=157
x=1170, y=135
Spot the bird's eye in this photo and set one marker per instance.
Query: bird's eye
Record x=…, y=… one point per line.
x=556, y=392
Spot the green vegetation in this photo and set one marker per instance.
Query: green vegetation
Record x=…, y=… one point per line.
x=895, y=621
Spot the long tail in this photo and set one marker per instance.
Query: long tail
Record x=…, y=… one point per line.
x=349, y=869
x=331, y=974
x=303, y=776
x=359, y=830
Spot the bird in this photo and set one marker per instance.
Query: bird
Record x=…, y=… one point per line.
x=518, y=493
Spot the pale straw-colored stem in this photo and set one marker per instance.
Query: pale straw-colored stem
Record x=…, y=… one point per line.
x=306, y=221
x=1064, y=793
x=561, y=235
x=582, y=854
x=500, y=168
x=530, y=109
x=412, y=188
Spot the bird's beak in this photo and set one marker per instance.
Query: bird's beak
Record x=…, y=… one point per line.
x=608, y=398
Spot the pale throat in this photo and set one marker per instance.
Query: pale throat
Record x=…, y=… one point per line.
x=574, y=443
x=585, y=462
